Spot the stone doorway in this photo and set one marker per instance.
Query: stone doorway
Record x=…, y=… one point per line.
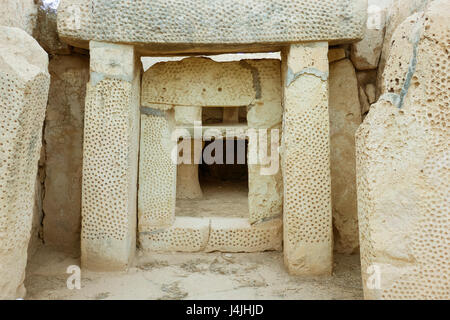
x=218, y=107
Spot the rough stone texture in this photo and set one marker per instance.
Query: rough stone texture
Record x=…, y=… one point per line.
x=38, y=214
x=64, y=151
x=336, y=54
x=397, y=12
x=402, y=167
x=110, y=153
x=24, y=83
x=265, y=183
x=238, y=235
x=370, y=91
x=19, y=14
x=208, y=23
x=188, y=185
x=157, y=170
x=307, y=219
x=46, y=32
x=199, y=82
x=345, y=117
x=365, y=54
x=364, y=101
x=265, y=194
x=189, y=234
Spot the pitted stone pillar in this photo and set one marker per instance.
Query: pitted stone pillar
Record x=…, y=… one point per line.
x=157, y=170
x=110, y=154
x=306, y=160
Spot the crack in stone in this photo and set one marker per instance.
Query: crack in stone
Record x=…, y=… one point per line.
x=411, y=68
x=291, y=76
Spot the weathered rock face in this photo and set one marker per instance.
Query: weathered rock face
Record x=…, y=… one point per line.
x=345, y=117
x=397, y=12
x=366, y=53
x=210, y=24
x=402, y=167
x=63, y=141
x=23, y=97
x=19, y=14
x=46, y=31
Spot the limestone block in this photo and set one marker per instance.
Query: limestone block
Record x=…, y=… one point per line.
x=365, y=54
x=23, y=97
x=366, y=76
x=110, y=153
x=266, y=111
x=402, y=175
x=157, y=170
x=364, y=101
x=370, y=91
x=188, y=185
x=199, y=82
x=307, y=221
x=187, y=234
x=265, y=196
x=336, y=54
x=46, y=31
x=210, y=24
x=19, y=14
x=265, y=181
x=63, y=137
x=397, y=12
x=187, y=115
x=238, y=235
x=345, y=117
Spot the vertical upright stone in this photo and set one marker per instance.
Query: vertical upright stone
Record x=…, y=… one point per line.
x=345, y=117
x=157, y=170
x=110, y=153
x=63, y=137
x=265, y=182
x=188, y=185
x=306, y=160
x=24, y=83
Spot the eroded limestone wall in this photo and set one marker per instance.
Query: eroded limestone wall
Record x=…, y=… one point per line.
x=402, y=166
x=19, y=14
x=24, y=90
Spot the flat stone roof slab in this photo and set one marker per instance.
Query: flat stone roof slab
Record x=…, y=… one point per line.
x=210, y=25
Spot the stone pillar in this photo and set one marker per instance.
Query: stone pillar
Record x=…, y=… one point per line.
x=264, y=117
x=188, y=185
x=63, y=137
x=306, y=160
x=110, y=153
x=157, y=170
x=24, y=84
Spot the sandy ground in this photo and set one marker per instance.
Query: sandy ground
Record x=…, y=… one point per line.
x=192, y=276
x=224, y=199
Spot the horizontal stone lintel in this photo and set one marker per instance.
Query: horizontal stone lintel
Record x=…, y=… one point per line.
x=210, y=25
